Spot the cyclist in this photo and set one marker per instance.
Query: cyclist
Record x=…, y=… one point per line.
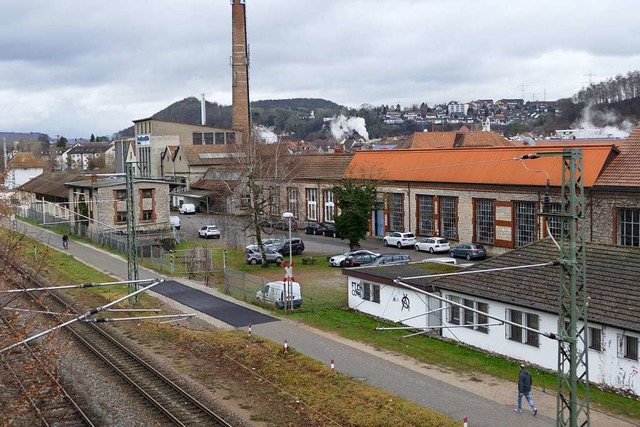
x=65, y=241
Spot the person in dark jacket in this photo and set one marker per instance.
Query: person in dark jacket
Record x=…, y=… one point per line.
x=524, y=389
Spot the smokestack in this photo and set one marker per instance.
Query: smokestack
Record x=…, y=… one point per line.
x=203, y=111
x=240, y=70
x=6, y=156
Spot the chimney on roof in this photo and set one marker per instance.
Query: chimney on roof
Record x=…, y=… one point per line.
x=203, y=111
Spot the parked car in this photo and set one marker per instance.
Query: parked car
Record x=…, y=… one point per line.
x=356, y=260
x=401, y=240
x=268, y=243
x=209, y=232
x=278, y=223
x=252, y=256
x=330, y=230
x=187, y=208
x=297, y=246
x=384, y=259
x=339, y=260
x=469, y=251
x=315, y=228
x=433, y=244
x=277, y=293
x=174, y=221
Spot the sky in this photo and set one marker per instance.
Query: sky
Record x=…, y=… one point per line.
x=81, y=67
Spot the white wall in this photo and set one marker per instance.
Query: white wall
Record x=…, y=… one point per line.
x=605, y=367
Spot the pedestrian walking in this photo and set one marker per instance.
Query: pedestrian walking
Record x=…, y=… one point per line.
x=524, y=389
x=65, y=241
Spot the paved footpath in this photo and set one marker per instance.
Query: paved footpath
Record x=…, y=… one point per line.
x=487, y=402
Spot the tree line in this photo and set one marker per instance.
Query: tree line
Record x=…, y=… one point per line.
x=614, y=89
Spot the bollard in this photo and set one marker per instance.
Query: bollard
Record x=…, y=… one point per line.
x=333, y=366
x=249, y=329
x=286, y=346
x=464, y=422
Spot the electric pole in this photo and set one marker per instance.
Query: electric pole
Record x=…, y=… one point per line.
x=132, y=264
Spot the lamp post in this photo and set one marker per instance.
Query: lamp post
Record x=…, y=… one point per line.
x=288, y=216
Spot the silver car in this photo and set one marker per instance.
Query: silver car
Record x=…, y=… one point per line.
x=340, y=260
x=433, y=244
x=252, y=256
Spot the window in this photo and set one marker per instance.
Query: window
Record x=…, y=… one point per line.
x=474, y=318
x=516, y=333
x=553, y=222
x=245, y=200
x=425, y=215
x=448, y=217
x=628, y=347
x=147, y=193
x=121, y=216
x=454, y=310
x=274, y=201
x=292, y=205
x=595, y=339
x=147, y=215
x=197, y=138
x=525, y=223
x=231, y=137
x=371, y=292
x=329, y=206
x=629, y=227
x=396, y=212
x=120, y=195
x=312, y=204
x=484, y=221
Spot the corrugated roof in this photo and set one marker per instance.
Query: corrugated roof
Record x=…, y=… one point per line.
x=624, y=170
x=421, y=140
x=204, y=155
x=322, y=166
x=51, y=184
x=90, y=148
x=493, y=165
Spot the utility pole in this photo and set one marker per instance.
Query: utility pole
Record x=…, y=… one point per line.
x=573, y=347
x=132, y=264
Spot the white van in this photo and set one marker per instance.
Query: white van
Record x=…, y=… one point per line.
x=273, y=293
x=187, y=208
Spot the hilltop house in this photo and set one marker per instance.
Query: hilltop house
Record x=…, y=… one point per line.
x=21, y=168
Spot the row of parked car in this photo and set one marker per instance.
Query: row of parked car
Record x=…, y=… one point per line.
x=275, y=250
x=434, y=245
x=322, y=228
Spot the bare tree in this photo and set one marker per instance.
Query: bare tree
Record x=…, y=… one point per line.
x=263, y=171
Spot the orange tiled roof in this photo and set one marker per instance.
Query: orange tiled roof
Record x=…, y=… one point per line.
x=475, y=165
x=25, y=161
x=421, y=140
x=624, y=170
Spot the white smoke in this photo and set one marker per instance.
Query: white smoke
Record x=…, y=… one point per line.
x=342, y=127
x=266, y=135
x=601, y=124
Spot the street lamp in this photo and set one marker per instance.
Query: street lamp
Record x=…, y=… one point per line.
x=288, y=216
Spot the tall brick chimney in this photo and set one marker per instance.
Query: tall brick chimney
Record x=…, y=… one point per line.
x=241, y=120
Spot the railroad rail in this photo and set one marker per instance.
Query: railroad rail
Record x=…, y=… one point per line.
x=172, y=401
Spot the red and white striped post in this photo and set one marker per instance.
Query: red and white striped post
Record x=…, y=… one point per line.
x=464, y=422
x=249, y=329
x=286, y=346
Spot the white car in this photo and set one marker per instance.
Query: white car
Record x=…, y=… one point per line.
x=209, y=231
x=187, y=208
x=433, y=244
x=400, y=240
x=174, y=221
x=339, y=260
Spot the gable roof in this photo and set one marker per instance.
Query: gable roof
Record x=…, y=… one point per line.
x=494, y=165
x=90, y=148
x=25, y=161
x=421, y=140
x=613, y=280
x=51, y=184
x=322, y=166
x=624, y=170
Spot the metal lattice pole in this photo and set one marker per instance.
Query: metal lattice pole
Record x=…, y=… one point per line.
x=132, y=263
x=573, y=378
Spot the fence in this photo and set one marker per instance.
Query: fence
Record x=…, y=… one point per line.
x=241, y=285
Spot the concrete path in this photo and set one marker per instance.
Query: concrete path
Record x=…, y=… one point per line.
x=485, y=401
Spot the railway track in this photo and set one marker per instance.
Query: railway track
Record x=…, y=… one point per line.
x=174, y=402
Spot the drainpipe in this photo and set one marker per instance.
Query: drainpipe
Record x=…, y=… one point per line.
x=409, y=197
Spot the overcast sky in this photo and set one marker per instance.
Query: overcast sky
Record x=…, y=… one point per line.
x=77, y=67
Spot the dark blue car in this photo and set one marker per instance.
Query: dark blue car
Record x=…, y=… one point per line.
x=468, y=251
